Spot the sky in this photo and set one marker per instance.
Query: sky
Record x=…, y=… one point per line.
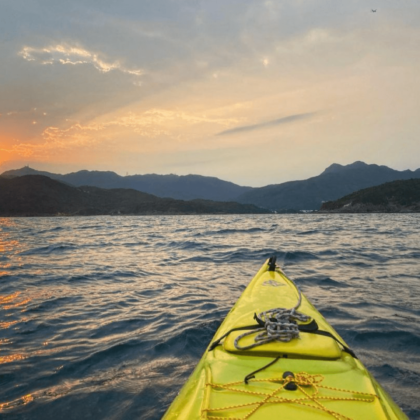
x=250, y=91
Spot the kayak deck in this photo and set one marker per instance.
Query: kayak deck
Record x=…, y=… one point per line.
x=328, y=381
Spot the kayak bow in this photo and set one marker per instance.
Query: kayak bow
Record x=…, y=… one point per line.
x=276, y=357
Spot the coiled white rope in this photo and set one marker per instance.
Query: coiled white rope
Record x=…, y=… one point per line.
x=280, y=325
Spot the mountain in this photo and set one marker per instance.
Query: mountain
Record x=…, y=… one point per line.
x=26, y=170
x=186, y=187
x=335, y=182
x=37, y=195
x=391, y=197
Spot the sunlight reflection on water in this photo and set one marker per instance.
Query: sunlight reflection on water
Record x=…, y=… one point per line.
x=105, y=317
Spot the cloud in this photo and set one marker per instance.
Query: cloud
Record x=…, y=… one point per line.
x=154, y=126
x=151, y=125
x=83, y=62
x=279, y=121
x=73, y=55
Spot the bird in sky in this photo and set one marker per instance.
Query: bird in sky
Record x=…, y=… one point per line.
x=373, y=10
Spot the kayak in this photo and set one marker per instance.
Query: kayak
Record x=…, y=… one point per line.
x=276, y=357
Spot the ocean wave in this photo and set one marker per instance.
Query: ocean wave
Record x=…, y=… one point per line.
x=320, y=281
x=50, y=249
x=105, y=317
x=298, y=256
x=235, y=231
x=394, y=340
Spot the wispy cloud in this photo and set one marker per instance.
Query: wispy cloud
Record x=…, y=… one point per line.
x=73, y=55
x=272, y=123
x=151, y=124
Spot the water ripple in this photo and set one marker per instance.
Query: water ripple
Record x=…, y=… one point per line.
x=105, y=317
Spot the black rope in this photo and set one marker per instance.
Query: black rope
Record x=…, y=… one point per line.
x=311, y=328
x=247, y=327
x=252, y=374
x=328, y=334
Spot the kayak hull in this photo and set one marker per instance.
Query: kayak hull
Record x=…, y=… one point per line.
x=328, y=381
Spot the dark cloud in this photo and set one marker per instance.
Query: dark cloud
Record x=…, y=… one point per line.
x=272, y=123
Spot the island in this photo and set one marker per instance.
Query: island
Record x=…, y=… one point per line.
x=392, y=197
x=38, y=195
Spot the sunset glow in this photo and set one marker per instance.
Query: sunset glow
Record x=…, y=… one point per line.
x=137, y=89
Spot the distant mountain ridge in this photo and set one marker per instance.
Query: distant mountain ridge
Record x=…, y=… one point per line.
x=182, y=187
x=334, y=182
x=38, y=195
x=391, y=197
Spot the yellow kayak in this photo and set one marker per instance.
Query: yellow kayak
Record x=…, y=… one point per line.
x=276, y=357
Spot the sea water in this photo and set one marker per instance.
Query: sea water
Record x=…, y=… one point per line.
x=106, y=317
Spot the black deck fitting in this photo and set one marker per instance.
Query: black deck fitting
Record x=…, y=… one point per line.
x=290, y=386
x=272, y=263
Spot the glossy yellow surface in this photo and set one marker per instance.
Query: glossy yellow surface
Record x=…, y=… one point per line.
x=332, y=384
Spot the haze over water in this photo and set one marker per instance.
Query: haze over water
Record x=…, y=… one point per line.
x=106, y=317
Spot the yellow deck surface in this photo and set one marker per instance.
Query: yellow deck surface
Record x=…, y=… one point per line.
x=331, y=383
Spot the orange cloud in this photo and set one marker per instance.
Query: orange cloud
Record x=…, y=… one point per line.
x=148, y=125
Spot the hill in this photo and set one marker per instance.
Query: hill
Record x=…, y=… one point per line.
x=391, y=197
x=335, y=182
x=187, y=187
x=38, y=195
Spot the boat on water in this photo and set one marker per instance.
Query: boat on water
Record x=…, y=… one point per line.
x=276, y=357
